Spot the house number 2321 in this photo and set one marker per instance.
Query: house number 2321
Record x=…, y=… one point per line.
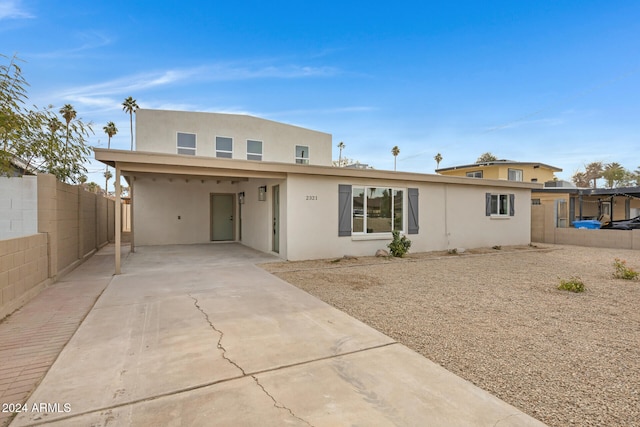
x=312, y=197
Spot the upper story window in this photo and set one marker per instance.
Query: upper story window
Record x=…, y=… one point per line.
x=474, y=174
x=377, y=210
x=186, y=143
x=224, y=147
x=254, y=150
x=515, y=174
x=302, y=154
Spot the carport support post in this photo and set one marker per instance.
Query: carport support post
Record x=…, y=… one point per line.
x=118, y=212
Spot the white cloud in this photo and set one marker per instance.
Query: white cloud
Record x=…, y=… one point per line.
x=12, y=10
x=124, y=86
x=89, y=40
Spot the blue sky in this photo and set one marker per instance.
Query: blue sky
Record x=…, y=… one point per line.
x=549, y=81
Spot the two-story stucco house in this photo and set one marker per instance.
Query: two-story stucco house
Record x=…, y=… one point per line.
x=504, y=169
x=209, y=177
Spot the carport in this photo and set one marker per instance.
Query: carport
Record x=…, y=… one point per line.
x=161, y=171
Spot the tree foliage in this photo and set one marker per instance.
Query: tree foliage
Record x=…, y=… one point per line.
x=614, y=175
x=36, y=139
x=486, y=157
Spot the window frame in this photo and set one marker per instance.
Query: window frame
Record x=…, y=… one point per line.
x=187, y=151
x=225, y=152
x=255, y=154
x=509, y=207
x=473, y=174
x=301, y=160
x=404, y=210
x=518, y=172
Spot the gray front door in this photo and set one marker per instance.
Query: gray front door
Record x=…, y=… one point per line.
x=222, y=218
x=276, y=219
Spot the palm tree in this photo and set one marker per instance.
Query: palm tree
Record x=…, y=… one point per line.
x=110, y=129
x=395, y=151
x=594, y=171
x=614, y=174
x=341, y=147
x=438, y=159
x=130, y=106
x=68, y=114
x=107, y=177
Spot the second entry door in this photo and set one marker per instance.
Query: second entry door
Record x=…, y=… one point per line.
x=222, y=218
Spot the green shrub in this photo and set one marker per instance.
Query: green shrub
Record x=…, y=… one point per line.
x=574, y=284
x=399, y=245
x=622, y=271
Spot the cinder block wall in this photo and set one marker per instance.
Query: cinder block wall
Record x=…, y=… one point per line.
x=23, y=270
x=543, y=230
x=72, y=224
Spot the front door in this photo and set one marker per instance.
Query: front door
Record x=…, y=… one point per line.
x=276, y=219
x=222, y=219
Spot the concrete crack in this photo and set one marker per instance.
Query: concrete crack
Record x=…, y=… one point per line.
x=219, y=344
x=279, y=405
x=244, y=374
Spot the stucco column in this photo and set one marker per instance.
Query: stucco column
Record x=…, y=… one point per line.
x=118, y=214
x=132, y=233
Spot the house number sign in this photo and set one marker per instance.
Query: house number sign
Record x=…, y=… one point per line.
x=312, y=197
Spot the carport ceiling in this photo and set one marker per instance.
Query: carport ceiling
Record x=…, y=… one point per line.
x=184, y=177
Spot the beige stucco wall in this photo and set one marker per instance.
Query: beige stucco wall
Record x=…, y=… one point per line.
x=18, y=206
x=451, y=216
x=529, y=173
x=159, y=201
x=156, y=131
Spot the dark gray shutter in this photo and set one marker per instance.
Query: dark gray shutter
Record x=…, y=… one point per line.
x=413, y=225
x=512, y=204
x=344, y=210
x=487, y=208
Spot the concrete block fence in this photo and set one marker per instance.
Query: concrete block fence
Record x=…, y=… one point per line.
x=72, y=224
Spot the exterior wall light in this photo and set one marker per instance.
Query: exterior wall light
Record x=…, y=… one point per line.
x=262, y=193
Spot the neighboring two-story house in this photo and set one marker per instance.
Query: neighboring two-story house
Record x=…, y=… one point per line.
x=504, y=169
x=210, y=177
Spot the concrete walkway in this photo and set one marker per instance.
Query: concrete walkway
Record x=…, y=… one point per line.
x=199, y=335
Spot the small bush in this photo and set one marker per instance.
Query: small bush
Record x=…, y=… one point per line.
x=622, y=271
x=497, y=247
x=574, y=284
x=399, y=245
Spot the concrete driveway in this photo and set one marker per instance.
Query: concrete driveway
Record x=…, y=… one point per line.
x=199, y=335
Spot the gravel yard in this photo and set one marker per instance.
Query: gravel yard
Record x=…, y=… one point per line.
x=495, y=318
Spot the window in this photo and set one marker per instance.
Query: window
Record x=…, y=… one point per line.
x=500, y=204
x=377, y=210
x=254, y=150
x=224, y=147
x=535, y=202
x=474, y=174
x=515, y=174
x=302, y=154
x=187, y=143
x=352, y=210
